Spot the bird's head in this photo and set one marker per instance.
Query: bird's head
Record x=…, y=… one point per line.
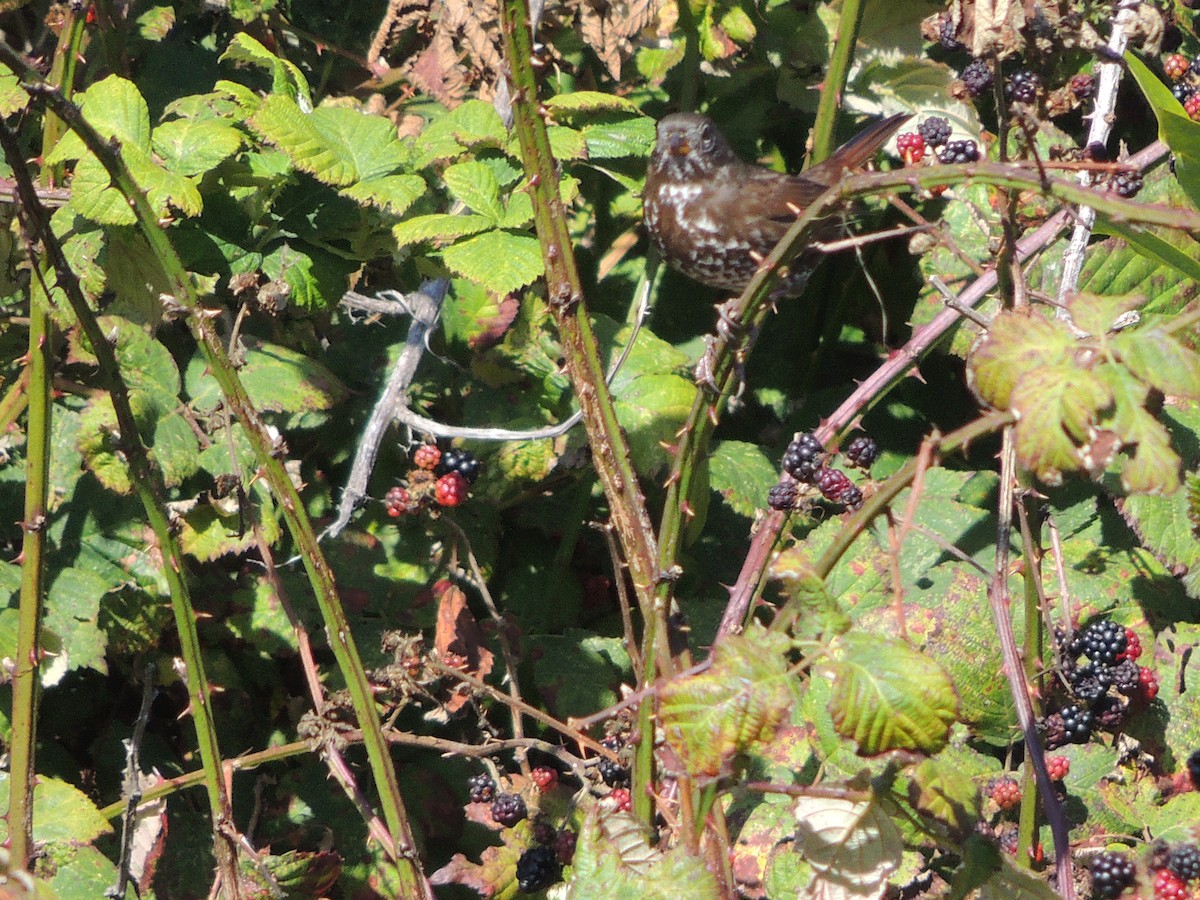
x=689, y=146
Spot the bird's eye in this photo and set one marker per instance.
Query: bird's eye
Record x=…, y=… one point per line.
x=708, y=138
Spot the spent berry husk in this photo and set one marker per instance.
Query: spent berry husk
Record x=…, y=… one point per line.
x=1112, y=873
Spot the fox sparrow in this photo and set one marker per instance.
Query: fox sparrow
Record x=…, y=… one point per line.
x=715, y=217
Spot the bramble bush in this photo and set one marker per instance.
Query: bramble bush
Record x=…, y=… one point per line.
x=372, y=532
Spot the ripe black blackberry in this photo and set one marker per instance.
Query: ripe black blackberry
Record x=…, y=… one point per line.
x=1184, y=861
x=1022, y=86
x=1111, y=874
x=862, y=451
x=935, y=130
x=782, y=496
x=977, y=77
x=1095, y=152
x=801, y=457
x=1103, y=641
x=543, y=831
x=948, y=34
x=1125, y=677
x=1182, y=90
x=482, y=788
x=1091, y=682
x=959, y=152
x=537, y=869
x=461, y=461
x=1193, y=767
x=1127, y=184
x=613, y=774
x=1077, y=724
x=508, y=810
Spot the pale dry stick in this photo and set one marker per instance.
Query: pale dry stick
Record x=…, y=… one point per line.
x=510, y=661
x=951, y=300
x=951, y=549
x=897, y=581
x=425, y=306
x=132, y=788
x=1060, y=572
x=915, y=491
x=1098, y=132
x=614, y=555
x=1000, y=601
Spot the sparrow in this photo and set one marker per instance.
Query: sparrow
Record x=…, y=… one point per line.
x=715, y=217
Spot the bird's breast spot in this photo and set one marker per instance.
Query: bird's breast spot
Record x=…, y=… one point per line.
x=682, y=193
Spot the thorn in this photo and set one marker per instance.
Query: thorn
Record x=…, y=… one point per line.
x=794, y=209
x=671, y=479
x=713, y=415
x=686, y=509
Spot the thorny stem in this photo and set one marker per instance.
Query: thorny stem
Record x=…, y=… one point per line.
x=184, y=293
x=849, y=22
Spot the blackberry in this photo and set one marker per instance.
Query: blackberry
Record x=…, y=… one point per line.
x=1127, y=184
x=614, y=742
x=461, y=461
x=1091, y=682
x=862, y=451
x=1109, y=712
x=398, y=502
x=508, y=810
x=1103, y=641
x=948, y=34
x=482, y=788
x=564, y=846
x=1111, y=873
x=1193, y=767
x=1169, y=886
x=1082, y=86
x=1005, y=791
x=613, y=774
x=800, y=458
x=1022, y=86
x=1077, y=724
x=450, y=490
x=852, y=497
x=1095, y=152
x=1058, y=767
x=935, y=130
x=537, y=869
x=1183, y=91
x=977, y=77
x=1184, y=861
x=1133, y=645
x=543, y=832
x=427, y=456
x=545, y=777
x=1125, y=677
x=959, y=152
x=783, y=496
x=1176, y=66
x=911, y=147
x=620, y=796
x=836, y=487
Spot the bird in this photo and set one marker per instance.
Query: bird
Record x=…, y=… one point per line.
x=715, y=217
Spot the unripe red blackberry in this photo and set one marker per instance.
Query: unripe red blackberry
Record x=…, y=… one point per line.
x=1133, y=645
x=1169, y=886
x=1176, y=66
x=398, y=502
x=911, y=147
x=427, y=456
x=564, y=846
x=1005, y=791
x=622, y=799
x=1191, y=106
x=1057, y=767
x=545, y=777
x=836, y=487
x=451, y=489
x=1148, y=685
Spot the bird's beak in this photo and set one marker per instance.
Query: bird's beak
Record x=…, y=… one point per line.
x=679, y=146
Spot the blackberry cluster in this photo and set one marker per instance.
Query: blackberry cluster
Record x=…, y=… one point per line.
x=508, y=810
x=1126, y=676
x=948, y=35
x=613, y=774
x=1184, y=861
x=461, y=461
x=1103, y=641
x=543, y=831
x=1111, y=873
x=935, y=130
x=482, y=788
x=1091, y=682
x=537, y=869
x=977, y=77
x=782, y=496
x=862, y=451
x=1022, y=86
x=1082, y=86
x=564, y=846
x=1127, y=184
x=964, y=151
x=801, y=458
x=1070, y=725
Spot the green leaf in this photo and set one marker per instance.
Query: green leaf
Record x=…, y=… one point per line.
x=628, y=137
x=395, y=193
x=12, y=98
x=196, y=146
x=889, y=696
x=851, y=844
x=115, y=108
x=742, y=475
x=72, y=613
x=438, y=226
x=474, y=183
x=276, y=378
x=501, y=261
x=1161, y=360
x=651, y=409
x=1055, y=406
x=590, y=101
x=1155, y=248
x=1016, y=344
x=60, y=812
x=1175, y=127
x=1096, y=314
x=286, y=78
x=335, y=145
x=1154, y=466
x=474, y=124
x=943, y=790
x=580, y=672
x=711, y=717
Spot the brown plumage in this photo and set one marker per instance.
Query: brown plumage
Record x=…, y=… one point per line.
x=714, y=216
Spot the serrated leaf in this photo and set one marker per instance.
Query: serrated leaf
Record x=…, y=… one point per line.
x=115, y=108
x=196, y=146
x=612, y=140
x=1156, y=249
x=72, y=613
x=565, y=143
x=1096, y=314
x=335, y=145
x=316, y=278
x=711, y=717
x=1016, y=344
x=742, y=475
x=475, y=185
x=469, y=125
x=651, y=409
x=580, y=671
x=591, y=101
x=395, y=193
x=852, y=845
x=1055, y=406
x=1158, y=358
x=501, y=261
x=438, y=226
x=889, y=696
x=276, y=378
x=1154, y=466
x=286, y=78
x=12, y=97
x=94, y=197
x=60, y=812
x=943, y=790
